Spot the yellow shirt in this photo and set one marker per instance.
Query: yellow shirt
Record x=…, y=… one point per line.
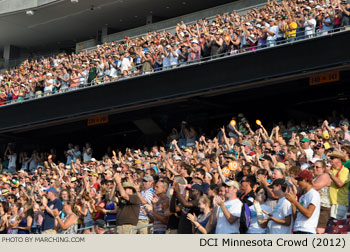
x=292, y=29
x=339, y=196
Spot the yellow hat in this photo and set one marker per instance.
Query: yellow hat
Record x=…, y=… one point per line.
x=325, y=135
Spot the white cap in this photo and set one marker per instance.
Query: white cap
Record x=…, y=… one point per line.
x=195, y=41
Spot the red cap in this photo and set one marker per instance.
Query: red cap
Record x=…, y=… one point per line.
x=305, y=174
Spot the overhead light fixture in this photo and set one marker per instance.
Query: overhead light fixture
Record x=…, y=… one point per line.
x=30, y=12
x=74, y=1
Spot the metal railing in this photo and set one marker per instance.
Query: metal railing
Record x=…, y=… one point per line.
x=136, y=72
x=149, y=226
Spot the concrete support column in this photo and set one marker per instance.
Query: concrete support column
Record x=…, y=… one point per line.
x=10, y=52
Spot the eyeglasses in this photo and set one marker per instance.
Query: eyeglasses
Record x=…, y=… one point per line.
x=318, y=167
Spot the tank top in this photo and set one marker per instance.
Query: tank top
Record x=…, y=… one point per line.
x=23, y=223
x=157, y=225
x=109, y=216
x=73, y=229
x=324, y=196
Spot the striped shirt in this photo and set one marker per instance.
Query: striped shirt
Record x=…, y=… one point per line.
x=148, y=195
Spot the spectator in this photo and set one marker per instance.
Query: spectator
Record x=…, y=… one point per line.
x=69, y=223
x=49, y=205
x=129, y=206
x=229, y=210
x=200, y=222
x=160, y=205
x=258, y=213
x=339, y=189
x=306, y=210
x=146, y=196
x=321, y=183
x=280, y=219
x=100, y=227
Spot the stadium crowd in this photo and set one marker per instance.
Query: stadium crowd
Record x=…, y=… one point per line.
x=227, y=34
x=293, y=179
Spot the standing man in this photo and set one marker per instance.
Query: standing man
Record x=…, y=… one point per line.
x=12, y=156
x=280, y=219
x=306, y=211
x=160, y=205
x=229, y=210
x=54, y=204
x=146, y=196
x=129, y=206
x=339, y=189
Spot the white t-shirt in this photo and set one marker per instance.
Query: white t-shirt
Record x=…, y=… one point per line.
x=87, y=157
x=125, y=64
x=254, y=227
x=281, y=211
x=12, y=160
x=222, y=225
x=309, y=30
x=173, y=59
x=273, y=29
x=309, y=153
x=69, y=158
x=302, y=223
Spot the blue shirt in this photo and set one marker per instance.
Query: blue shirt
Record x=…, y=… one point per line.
x=49, y=220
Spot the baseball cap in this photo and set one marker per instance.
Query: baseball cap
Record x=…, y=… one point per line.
x=147, y=178
x=198, y=187
x=266, y=157
x=232, y=183
x=51, y=189
x=246, y=143
x=100, y=223
x=129, y=185
x=277, y=182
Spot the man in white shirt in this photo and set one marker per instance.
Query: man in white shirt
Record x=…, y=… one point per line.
x=69, y=153
x=306, y=211
x=124, y=63
x=305, y=146
x=229, y=211
x=309, y=25
x=12, y=156
x=280, y=219
x=271, y=31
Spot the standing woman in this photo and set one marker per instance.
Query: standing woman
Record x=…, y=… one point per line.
x=25, y=225
x=69, y=223
x=99, y=205
x=321, y=183
x=86, y=212
x=200, y=223
x=14, y=218
x=4, y=208
x=259, y=212
x=191, y=135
